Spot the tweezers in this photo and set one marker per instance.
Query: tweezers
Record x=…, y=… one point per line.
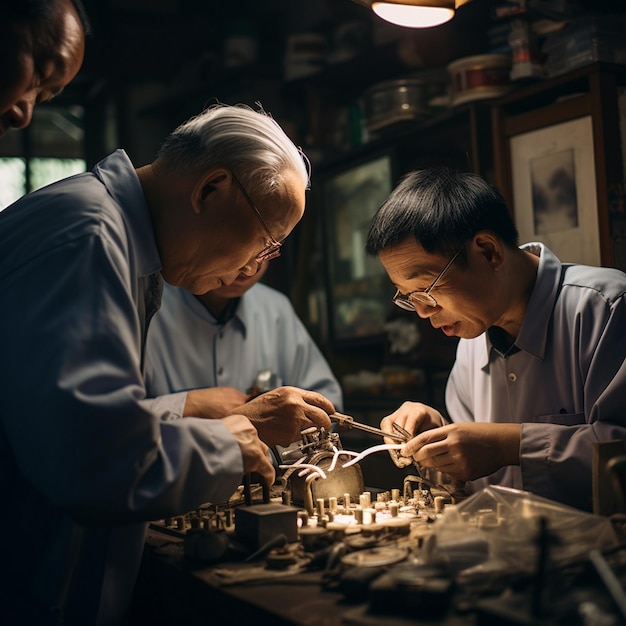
x=349, y=422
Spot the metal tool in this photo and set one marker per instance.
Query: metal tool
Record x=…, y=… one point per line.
x=405, y=433
x=401, y=431
x=265, y=380
x=349, y=422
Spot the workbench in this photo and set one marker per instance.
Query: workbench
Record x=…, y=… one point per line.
x=175, y=590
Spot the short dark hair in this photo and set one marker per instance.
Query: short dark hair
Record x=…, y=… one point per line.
x=442, y=208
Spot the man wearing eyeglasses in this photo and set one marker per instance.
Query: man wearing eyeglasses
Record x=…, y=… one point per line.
x=224, y=338
x=86, y=457
x=540, y=369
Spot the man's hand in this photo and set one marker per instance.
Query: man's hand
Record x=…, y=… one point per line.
x=282, y=414
x=213, y=402
x=467, y=450
x=253, y=450
x=413, y=417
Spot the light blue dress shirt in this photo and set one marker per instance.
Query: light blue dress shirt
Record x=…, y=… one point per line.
x=188, y=349
x=85, y=458
x=566, y=385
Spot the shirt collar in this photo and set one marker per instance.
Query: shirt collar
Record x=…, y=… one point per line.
x=533, y=335
x=245, y=310
x=118, y=175
x=240, y=317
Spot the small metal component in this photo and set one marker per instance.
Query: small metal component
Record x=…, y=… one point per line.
x=280, y=558
x=247, y=490
x=322, y=476
x=320, y=507
x=265, y=380
x=439, y=504
x=401, y=431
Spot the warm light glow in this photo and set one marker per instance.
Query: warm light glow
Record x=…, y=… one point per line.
x=412, y=16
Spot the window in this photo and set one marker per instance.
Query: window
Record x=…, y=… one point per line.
x=51, y=148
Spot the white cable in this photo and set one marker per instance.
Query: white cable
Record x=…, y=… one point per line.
x=368, y=451
x=336, y=456
x=291, y=468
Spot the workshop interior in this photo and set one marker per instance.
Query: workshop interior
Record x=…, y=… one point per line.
x=345, y=536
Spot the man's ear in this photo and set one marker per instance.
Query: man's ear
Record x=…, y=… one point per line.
x=211, y=184
x=490, y=247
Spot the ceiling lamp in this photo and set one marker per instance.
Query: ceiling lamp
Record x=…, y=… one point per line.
x=414, y=13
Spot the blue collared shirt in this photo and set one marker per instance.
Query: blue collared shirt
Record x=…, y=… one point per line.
x=85, y=457
x=188, y=349
x=566, y=384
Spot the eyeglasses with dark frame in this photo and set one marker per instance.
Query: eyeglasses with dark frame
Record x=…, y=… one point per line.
x=422, y=296
x=272, y=249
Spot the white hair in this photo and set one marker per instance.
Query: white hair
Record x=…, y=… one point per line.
x=248, y=142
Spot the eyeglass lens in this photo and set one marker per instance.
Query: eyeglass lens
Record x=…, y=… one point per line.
x=272, y=249
x=423, y=297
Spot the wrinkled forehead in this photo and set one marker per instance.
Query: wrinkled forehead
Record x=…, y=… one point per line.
x=407, y=260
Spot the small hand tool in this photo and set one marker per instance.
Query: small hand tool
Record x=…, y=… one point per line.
x=349, y=422
x=407, y=435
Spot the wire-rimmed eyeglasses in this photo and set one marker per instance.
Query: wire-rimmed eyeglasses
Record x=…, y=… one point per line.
x=420, y=296
x=272, y=249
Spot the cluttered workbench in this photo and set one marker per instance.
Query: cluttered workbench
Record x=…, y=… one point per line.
x=318, y=548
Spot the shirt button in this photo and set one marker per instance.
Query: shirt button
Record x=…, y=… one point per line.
x=512, y=377
x=220, y=371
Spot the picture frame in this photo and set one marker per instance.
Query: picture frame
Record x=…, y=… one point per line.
x=554, y=189
x=359, y=291
x=535, y=119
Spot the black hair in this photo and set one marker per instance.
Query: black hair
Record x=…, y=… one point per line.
x=442, y=208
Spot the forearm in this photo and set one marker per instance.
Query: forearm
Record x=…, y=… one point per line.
x=507, y=442
x=213, y=402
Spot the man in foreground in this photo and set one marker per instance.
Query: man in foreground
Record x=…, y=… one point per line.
x=86, y=457
x=540, y=369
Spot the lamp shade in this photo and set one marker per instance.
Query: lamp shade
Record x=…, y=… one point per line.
x=414, y=13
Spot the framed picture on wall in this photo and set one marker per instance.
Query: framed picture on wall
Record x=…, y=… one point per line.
x=359, y=290
x=554, y=189
x=558, y=161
